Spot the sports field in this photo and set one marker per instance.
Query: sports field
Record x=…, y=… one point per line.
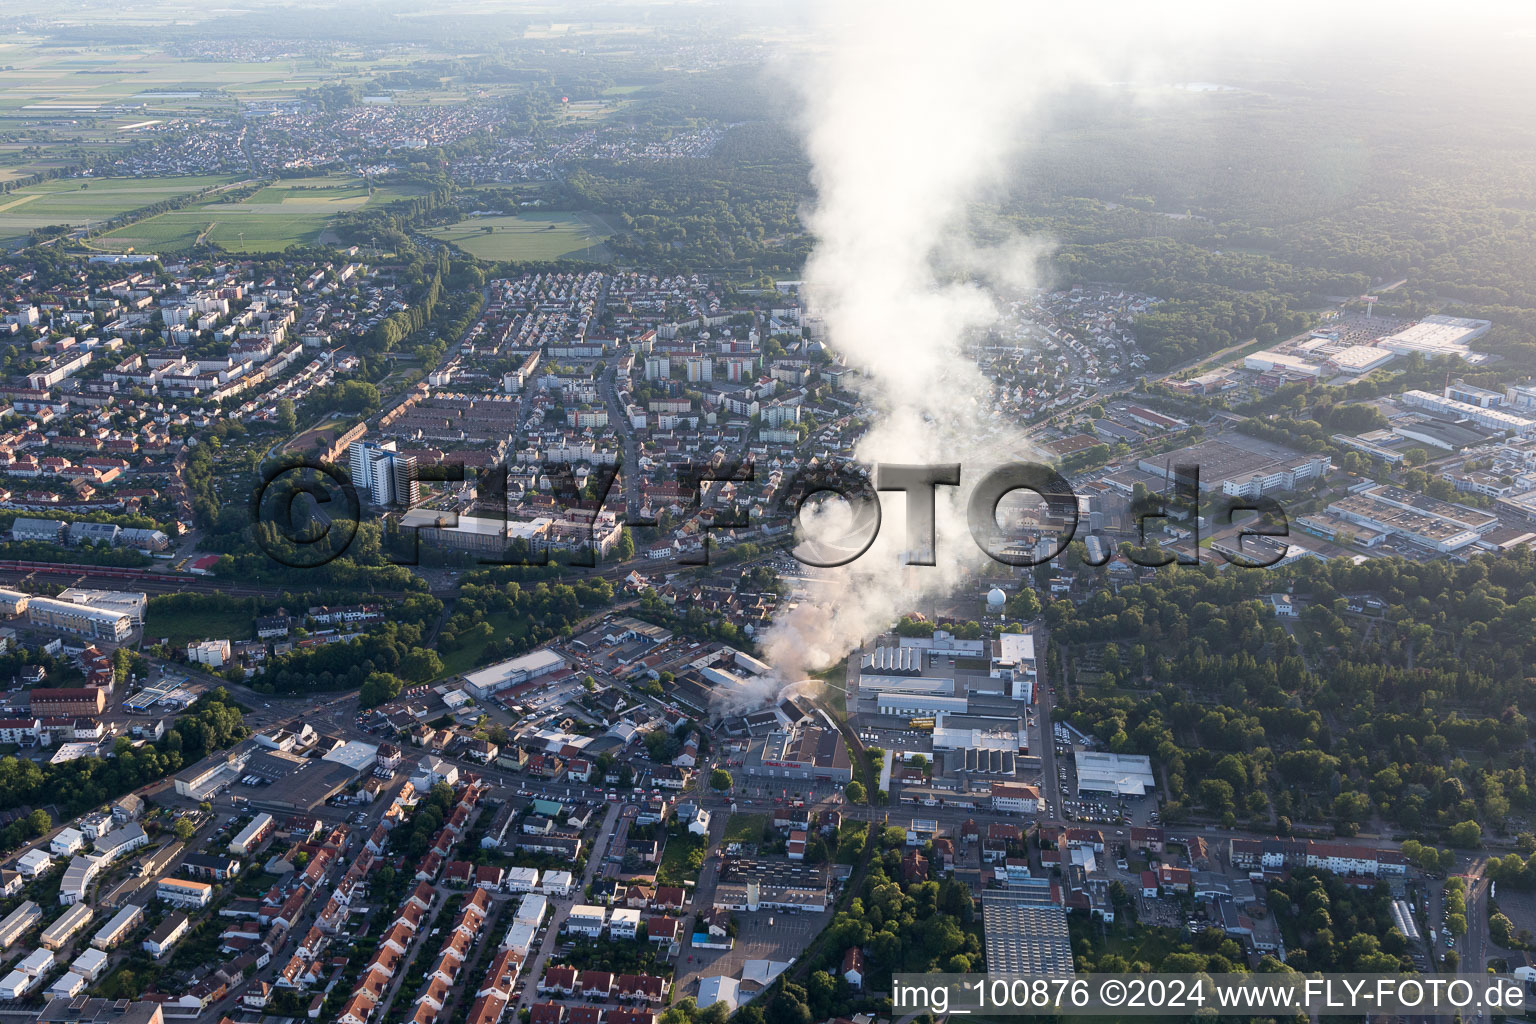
x=294, y=211
x=546, y=235
x=77, y=201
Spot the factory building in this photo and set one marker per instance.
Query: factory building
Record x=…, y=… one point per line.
x=899, y=673
x=1437, y=336
x=1240, y=467
x=875, y=685
x=920, y=705
x=487, y=681
x=1440, y=526
x=1489, y=418
x=893, y=661
x=1013, y=661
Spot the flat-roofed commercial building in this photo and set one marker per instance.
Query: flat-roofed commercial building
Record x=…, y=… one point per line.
x=1437, y=336
x=486, y=681
x=1240, y=466
x=1494, y=419
x=1358, y=359
x=208, y=776
x=475, y=533
x=1013, y=661
x=130, y=603
x=1440, y=526
x=752, y=885
x=1119, y=774
x=807, y=752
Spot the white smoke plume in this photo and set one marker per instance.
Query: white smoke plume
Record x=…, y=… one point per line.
x=912, y=116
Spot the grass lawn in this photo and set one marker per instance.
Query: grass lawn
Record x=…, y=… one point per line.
x=76, y=201
x=745, y=828
x=545, y=235
x=183, y=627
x=681, y=859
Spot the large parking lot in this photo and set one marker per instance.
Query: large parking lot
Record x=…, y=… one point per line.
x=1100, y=808
x=764, y=935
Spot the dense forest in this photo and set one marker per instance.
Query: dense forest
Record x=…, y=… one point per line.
x=1403, y=696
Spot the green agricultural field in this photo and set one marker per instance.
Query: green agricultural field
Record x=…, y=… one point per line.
x=544, y=235
x=77, y=201
x=295, y=211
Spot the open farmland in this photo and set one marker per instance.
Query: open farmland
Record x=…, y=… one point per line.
x=291, y=212
x=77, y=201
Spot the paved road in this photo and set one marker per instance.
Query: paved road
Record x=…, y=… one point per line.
x=561, y=908
x=620, y=423
x=1045, y=703
x=1474, y=947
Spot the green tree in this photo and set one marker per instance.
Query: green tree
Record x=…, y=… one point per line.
x=1466, y=835
x=378, y=688
x=720, y=779
x=421, y=664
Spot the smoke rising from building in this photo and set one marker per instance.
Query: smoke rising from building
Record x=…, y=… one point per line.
x=910, y=122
